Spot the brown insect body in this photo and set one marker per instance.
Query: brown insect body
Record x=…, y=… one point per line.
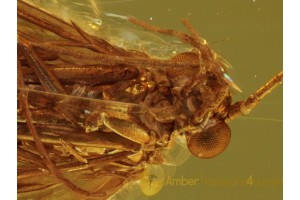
x=103, y=113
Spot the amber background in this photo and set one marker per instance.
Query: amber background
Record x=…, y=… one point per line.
x=254, y=47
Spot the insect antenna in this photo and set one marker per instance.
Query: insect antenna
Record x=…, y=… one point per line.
x=219, y=41
x=262, y=119
x=244, y=107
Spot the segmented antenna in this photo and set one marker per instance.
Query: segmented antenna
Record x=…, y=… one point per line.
x=245, y=107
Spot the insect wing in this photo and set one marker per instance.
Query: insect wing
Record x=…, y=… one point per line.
x=59, y=120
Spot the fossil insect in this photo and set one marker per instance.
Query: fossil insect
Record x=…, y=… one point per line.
x=94, y=117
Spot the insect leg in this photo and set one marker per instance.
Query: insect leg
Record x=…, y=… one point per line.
x=180, y=35
x=71, y=167
x=205, y=52
x=42, y=149
x=244, y=107
x=126, y=129
x=46, y=76
x=65, y=30
x=80, y=139
x=31, y=157
x=90, y=74
x=111, y=59
x=195, y=35
x=99, y=45
x=47, y=21
x=69, y=147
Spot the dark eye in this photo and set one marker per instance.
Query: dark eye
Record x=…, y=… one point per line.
x=210, y=142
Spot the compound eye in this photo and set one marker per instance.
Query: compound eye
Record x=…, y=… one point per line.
x=210, y=142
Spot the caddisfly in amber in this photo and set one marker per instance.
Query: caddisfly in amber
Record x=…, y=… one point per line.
x=95, y=118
